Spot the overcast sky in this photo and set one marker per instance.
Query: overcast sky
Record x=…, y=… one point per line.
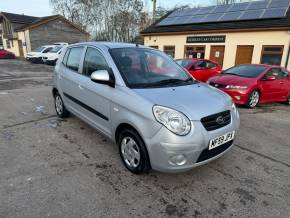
x=41, y=7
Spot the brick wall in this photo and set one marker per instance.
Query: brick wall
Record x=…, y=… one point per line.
x=55, y=31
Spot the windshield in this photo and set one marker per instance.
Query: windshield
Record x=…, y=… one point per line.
x=55, y=49
x=39, y=49
x=147, y=68
x=184, y=63
x=250, y=71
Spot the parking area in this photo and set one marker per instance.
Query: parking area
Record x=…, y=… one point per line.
x=51, y=167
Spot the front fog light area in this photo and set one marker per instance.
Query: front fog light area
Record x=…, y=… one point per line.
x=177, y=160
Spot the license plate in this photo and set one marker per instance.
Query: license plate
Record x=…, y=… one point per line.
x=221, y=140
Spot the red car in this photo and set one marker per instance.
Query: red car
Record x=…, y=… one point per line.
x=200, y=69
x=250, y=84
x=6, y=54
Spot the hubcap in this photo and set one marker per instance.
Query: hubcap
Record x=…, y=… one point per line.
x=254, y=99
x=58, y=104
x=289, y=99
x=130, y=152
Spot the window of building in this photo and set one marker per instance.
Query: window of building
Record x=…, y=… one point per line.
x=94, y=61
x=194, y=52
x=169, y=50
x=272, y=54
x=74, y=58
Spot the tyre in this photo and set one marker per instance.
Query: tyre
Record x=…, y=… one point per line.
x=133, y=152
x=254, y=99
x=60, y=109
x=288, y=100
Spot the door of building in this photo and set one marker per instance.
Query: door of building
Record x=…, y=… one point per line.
x=21, y=54
x=244, y=54
x=217, y=53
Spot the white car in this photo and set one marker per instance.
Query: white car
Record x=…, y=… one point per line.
x=36, y=55
x=52, y=56
x=61, y=43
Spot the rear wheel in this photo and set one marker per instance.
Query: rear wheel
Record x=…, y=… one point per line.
x=254, y=99
x=60, y=109
x=133, y=152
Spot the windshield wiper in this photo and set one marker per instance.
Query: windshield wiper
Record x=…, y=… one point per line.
x=170, y=82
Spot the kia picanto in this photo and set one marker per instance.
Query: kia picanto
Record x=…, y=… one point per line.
x=160, y=117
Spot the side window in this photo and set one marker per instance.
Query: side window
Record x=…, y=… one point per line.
x=74, y=58
x=94, y=61
x=65, y=56
x=210, y=65
x=277, y=72
x=201, y=64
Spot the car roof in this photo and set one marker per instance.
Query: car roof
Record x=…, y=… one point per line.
x=263, y=65
x=109, y=45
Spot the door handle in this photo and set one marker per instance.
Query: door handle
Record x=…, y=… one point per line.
x=80, y=87
x=281, y=82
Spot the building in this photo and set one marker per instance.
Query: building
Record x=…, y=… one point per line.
x=21, y=34
x=250, y=32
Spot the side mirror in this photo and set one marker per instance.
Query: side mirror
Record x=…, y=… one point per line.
x=103, y=77
x=270, y=78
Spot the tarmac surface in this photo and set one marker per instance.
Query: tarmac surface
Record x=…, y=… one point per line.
x=51, y=167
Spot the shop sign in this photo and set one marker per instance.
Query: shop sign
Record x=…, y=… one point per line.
x=205, y=39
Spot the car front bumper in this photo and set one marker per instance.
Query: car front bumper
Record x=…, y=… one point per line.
x=239, y=96
x=193, y=147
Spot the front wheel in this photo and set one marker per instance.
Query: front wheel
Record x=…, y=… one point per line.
x=288, y=100
x=254, y=99
x=133, y=152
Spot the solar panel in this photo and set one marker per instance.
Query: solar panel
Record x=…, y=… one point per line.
x=212, y=17
x=279, y=3
x=248, y=15
x=206, y=10
x=239, y=7
x=258, y=5
x=191, y=12
x=196, y=19
x=275, y=12
x=231, y=16
x=221, y=8
x=239, y=11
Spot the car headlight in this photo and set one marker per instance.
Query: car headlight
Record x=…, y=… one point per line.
x=173, y=120
x=236, y=87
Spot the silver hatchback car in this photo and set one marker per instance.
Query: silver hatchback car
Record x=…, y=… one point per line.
x=161, y=117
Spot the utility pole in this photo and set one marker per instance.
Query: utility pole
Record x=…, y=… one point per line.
x=154, y=9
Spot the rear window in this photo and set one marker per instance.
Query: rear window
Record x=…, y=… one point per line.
x=250, y=71
x=74, y=58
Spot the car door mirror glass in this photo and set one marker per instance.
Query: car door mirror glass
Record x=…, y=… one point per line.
x=100, y=76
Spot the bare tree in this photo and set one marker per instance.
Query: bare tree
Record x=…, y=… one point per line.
x=227, y=2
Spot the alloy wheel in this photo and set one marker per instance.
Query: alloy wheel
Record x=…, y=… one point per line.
x=254, y=99
x=58, y=105
x=130, y=152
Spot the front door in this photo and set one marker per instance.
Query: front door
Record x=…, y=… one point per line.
x=244, y=54
x=273, y=90
x=96, y=96
x=217, y=54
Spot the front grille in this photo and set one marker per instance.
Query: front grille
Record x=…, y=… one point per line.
x=208, y=154
x=212, y=122
x=220, y=86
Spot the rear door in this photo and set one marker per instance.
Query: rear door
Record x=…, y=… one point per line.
x=69, y=77
x=95, y=97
